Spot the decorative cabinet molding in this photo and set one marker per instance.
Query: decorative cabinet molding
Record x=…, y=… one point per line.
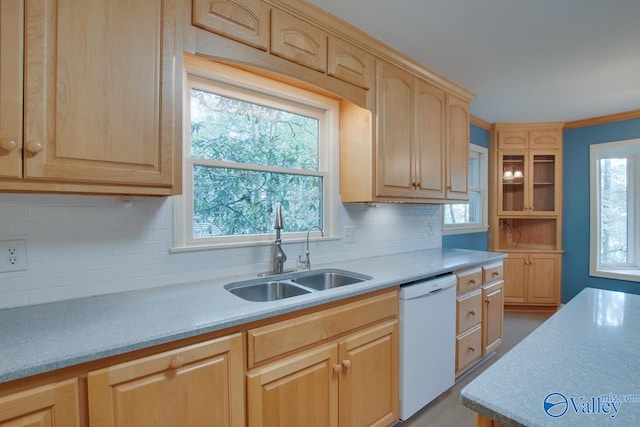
x=246, y=21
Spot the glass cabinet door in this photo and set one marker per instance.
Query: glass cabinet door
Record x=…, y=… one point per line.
x=543, y=197
x=513, y=189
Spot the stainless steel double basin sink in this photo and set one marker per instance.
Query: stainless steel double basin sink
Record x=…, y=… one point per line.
x=293, y=284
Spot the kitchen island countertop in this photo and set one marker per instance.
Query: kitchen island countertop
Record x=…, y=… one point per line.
x=579, y=368
x=42, y=338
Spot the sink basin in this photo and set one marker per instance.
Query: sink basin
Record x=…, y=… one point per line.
x=293, y=284
x=328, y=280
x=267, y=291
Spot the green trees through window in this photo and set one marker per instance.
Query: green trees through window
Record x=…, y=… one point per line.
x=247, y=158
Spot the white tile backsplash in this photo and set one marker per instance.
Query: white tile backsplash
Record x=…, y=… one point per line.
x=80, y=246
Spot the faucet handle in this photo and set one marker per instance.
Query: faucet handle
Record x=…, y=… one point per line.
x=278, y=225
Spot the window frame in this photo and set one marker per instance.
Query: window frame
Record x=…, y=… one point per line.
x=629, y=149
x=483, y=180
x=229, y=81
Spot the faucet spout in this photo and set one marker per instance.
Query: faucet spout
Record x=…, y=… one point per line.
x=279, y=257
x=306, y=262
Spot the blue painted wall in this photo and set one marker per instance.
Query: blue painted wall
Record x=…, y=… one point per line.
x=475, y=241
x=575, y=234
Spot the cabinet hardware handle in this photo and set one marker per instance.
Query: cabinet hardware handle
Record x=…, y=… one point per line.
x=8, y=144
x=495, y=273
x=487, y=300
x=176, y=362
x=472, y=347
x=472, y=281
x=472, y=312
x=35, y=146
x=337, y=368
x=346, y=363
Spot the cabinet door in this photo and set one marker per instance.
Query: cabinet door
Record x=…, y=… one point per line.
x=301, y=390
x=515, y=278
x=394, y=159
x=369, y=377
x=513, y=168
x=545, y=139
x=492, y=316
x=543, y=285
x=198, y=385
x=457, y=149
x=350, y=64
x=102, y=102
x=246, y=21
x=430, y=140
x=46, y=406
x=11, y=59
x=298, y=41
x=544, y=195
x=509, y=140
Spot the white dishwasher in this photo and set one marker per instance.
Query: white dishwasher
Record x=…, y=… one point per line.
x=427, y=341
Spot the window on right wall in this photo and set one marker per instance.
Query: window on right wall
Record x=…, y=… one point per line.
x=615, y=210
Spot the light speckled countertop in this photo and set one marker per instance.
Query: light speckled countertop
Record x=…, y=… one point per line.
x=573, y=370
x=46, y=337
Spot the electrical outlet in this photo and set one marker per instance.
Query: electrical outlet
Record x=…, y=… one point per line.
x=350, y=234
x=13, y=255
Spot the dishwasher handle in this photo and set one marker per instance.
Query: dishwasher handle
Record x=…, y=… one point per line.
x=427, y=287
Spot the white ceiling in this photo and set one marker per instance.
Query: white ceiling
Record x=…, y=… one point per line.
x=526, y=60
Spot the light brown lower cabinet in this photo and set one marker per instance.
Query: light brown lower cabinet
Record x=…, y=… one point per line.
x=349, y=381
x=352, y=382
x=50, y=405
x=480, y=309
x=532, y=279
x=197, y=385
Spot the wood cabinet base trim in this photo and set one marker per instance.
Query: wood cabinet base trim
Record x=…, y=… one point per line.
x=527, y=308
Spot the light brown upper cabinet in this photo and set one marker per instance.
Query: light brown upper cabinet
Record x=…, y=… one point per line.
x=421, y=144
x=298, y=41
x=101, y=97
x=11, y=60
x=246, y=21
x=349, y=63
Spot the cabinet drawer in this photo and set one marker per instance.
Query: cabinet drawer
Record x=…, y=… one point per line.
x=469, y=279
x=492, y=273
x=279, y=338
x=469, y=309
x=468, y=348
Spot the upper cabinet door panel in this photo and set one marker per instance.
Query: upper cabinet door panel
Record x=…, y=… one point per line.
x=508, y=140
x=457, y=149
x=430, y=139
x=101, y=91
x=395, y=177
x=246, y=21
x=545, y=140
x=347, y=62
x=298, y=41
x=11, y=51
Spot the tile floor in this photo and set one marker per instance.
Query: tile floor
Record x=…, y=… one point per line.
x=446, y=410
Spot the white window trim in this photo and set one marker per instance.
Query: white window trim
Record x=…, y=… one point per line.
x=631, y=272
x=452, y=229
x=200, y=70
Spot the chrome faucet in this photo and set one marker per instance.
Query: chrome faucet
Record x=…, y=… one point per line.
x=306, y=262
x=279, y=257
